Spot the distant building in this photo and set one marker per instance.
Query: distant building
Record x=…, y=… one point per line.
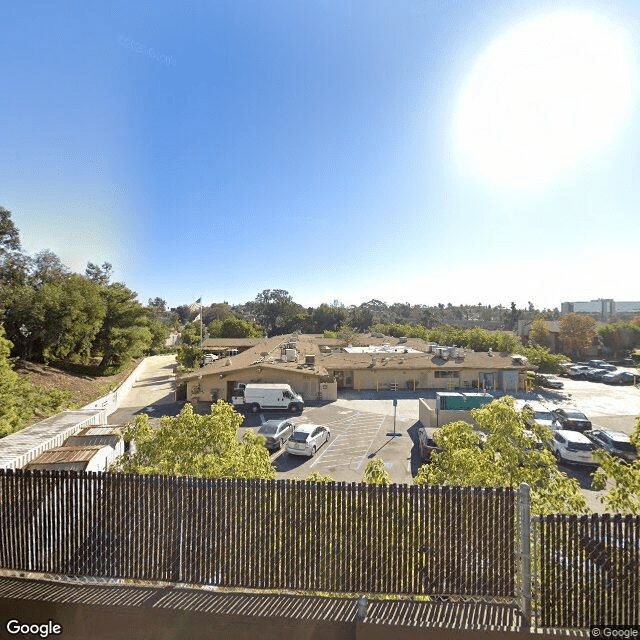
x=318, y=367
x=604, y=308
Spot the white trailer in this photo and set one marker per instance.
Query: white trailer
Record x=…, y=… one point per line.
x=256, y=397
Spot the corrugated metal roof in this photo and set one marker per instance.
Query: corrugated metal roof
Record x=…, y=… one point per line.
x=100, y=430
x=76, y=453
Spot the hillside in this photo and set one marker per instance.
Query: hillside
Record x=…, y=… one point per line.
x=82, y=387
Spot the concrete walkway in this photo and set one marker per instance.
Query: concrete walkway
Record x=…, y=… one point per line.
x=156, y=386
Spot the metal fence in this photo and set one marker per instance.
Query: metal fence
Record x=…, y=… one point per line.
x=587, y=570
x=326, y=537
x=470, y=543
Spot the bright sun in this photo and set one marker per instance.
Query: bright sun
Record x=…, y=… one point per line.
x=543, y=96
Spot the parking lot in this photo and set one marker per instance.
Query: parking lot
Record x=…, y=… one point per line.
x=356, y=437
x=360, y=421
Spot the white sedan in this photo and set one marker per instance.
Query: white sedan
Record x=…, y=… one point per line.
x=306, y=439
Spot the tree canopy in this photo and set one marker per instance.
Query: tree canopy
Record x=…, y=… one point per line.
x=197, y=445
x=507, y=457
x=19, y=399
x=577, y=332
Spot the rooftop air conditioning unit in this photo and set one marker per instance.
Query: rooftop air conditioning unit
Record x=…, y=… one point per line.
x=402, y=339
x=290, y=355
x=310, y=360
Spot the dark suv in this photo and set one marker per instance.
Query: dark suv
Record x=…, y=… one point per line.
x=572, y=419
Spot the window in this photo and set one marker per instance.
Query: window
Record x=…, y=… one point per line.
x=447, y=374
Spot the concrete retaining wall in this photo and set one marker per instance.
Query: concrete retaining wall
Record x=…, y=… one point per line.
x=113, y=400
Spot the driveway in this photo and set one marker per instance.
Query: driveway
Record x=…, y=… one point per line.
x=153, y=393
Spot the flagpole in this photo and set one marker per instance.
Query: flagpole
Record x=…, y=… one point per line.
x=201, y=322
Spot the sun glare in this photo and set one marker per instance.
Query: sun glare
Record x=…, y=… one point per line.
x=543, y=96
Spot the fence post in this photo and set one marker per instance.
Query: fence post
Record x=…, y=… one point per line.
x=524, y=500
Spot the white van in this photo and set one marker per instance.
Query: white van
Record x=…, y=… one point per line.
x=573, y=446
x=269, y=396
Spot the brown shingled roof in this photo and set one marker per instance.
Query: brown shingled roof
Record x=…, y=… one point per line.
x=310, y=345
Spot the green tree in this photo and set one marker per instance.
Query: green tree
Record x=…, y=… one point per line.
x=189, y=357
x=232, y=327
x=197, y=445
x=190, y=334
x=20, y=401
x=100, y=274
x=158, y=304
x=542, y=358
x=273, y=309
x=620, y=337
x=66, y=317
x=124, y=334
x=507, y=457
x=327, y=318
x=375, y=473
x=316, y=476
x=47, y=267
x=577, y=332
x=539, y=334
x=621, y=479
x=9, y=236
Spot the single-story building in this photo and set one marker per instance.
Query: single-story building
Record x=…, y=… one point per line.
x=318, y=367
x=75, y=458
x=103, y=435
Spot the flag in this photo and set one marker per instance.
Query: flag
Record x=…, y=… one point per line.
x=195, y=305
x=196, y=319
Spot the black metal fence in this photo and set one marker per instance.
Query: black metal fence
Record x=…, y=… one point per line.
x=327, y=537
x=321, y=537
x=589, y=570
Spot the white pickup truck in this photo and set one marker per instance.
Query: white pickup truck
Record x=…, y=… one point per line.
x=255, y=397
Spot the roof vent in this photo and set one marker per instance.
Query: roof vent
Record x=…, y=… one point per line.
x=490, y=352
x=227, y=362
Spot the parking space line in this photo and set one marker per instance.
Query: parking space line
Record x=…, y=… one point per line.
x=327, y=447
x=369, y=447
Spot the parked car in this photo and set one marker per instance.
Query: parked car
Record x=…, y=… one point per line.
x=578, y=371
x=595, y=375
x=571, y=419
x=306, y=439
x=275, y=433
x=573, y=447
x=551, y=381
x=539, y=414
x=601, y=364
x=620, y=377
x=615, y=442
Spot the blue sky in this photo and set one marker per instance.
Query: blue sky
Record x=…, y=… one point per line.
x=339, y=150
